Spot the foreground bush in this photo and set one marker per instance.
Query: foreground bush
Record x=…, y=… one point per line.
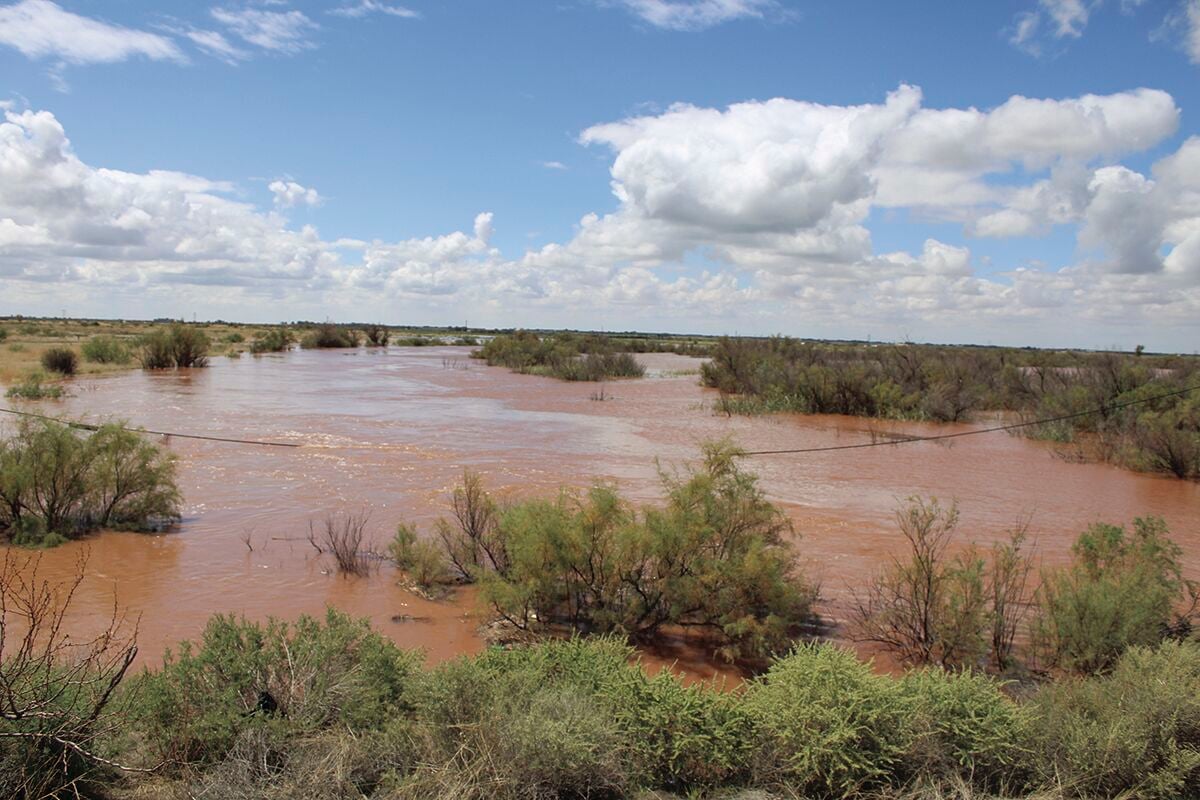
x=106, y=350
x=59, y=712
x=330, y=709
x=1134, y=733
x=296, y=678
x=180, y=346
x=56, y=482
x=62, y=360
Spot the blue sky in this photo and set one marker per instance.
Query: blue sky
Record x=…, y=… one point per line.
x=400, y=123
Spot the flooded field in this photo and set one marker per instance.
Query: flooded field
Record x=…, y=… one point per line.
x=391, y=431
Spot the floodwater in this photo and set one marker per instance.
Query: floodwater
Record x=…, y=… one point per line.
x=390, y=432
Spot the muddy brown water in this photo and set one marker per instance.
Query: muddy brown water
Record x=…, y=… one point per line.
x=391, y=431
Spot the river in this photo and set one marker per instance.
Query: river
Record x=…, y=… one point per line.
x=390, y=432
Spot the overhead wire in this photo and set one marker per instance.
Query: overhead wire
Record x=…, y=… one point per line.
x=87, y=426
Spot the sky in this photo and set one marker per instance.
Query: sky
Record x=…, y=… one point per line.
x=1017, y=172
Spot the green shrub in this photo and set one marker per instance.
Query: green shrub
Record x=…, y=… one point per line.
x=423, y=559
x=276, y=340
x=961, y=725
x=336, y=674
x=106, y=350
x=234, y=338
x=34, y=387
x=1120, y=590
x=62, y=360
x=376, y=335
x=3, y=334
x=1133, y=733
x=180, y=346
x=328, y=335
x=56, y=482
x=564, y=356
x=714, y=559
x=825, y=725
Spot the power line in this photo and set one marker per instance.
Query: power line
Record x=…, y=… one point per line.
x=90, y=427
x=961, y=434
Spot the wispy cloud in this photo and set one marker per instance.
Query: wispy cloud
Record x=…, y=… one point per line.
x=43, y=29
x=365, y=7
x=277, y=31
x=554, y=165
x=698, y=15
x=215, y=44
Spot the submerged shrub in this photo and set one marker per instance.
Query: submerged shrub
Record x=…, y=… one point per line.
x=328, y=335
x=928, y=607
x=564, y=356
x=179, y=346
x=1133, y=733
x=1121, y=590
x=376, y=335
x=34, y=387
x=62, y=360
x=106, y=350
x=57, y=482
x=276, y=340
x=713, y=560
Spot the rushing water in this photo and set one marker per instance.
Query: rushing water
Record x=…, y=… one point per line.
x=391, y=431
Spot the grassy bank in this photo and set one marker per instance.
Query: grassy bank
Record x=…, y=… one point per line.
x=330, y=709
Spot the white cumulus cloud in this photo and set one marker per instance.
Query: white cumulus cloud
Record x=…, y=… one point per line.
x=289, y=194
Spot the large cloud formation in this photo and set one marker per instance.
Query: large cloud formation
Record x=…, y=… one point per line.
x=756, y=217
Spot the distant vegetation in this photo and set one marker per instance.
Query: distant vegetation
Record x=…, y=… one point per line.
x=62, y=360
x=57, y=483
x=275, y=340
x=106, y=350
x=376, y=335
x=329, y=335
x=179, y=346
x=564, y=356
x=950, y=384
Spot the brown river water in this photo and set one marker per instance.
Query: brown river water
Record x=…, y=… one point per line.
x=391, y=431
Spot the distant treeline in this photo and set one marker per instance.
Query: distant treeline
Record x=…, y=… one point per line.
x=568, y=357
x=950, y=384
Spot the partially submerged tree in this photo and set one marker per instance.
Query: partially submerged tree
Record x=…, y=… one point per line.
x=58, y=482
x=714, y=560
x=929, y=607
x=58, y=698
x=1123, y=588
